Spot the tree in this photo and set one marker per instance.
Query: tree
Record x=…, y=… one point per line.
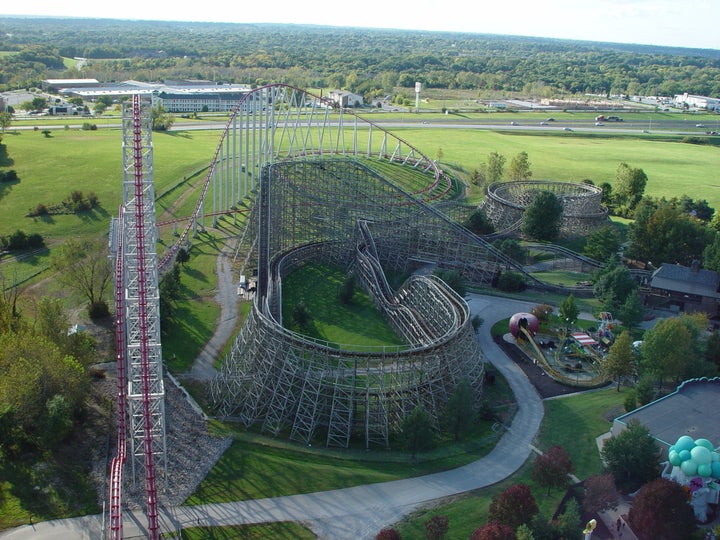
x=519, y=168
x=495, y=166
x=513, y=507
x=667, y=349
x=662, y=232
x=613, y=284
x=478, y=223
x=437, y=527
x=569, y=311
x=629, y=185
x=417, y=432
x=631, y=311
x=661, y=511
x=57, y=421
x=632, y=457
x=161, y=119
x=602, y=243
x=346, y=290
x=512, y=248
x=5, y=120
x=620, y=360
x=183, y=256
x=600, y=493
x=301, y=315
x=542, y=217
x=388, y=534
x=552, y=468
x=52, y=320
x=711, y=254
x=458, y=413
x=524, y=532
x=83, y=266
x=494, y=531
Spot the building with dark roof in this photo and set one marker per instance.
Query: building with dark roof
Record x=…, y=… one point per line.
x=684, y=289
x=689, y=410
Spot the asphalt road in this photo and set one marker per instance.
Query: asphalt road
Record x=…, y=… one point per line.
x=359, y=512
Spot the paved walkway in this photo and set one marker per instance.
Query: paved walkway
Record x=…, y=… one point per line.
x=359, y=512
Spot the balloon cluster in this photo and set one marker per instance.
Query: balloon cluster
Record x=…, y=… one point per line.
x=695, y=457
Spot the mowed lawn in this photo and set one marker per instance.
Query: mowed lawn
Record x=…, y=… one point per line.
x=50, y=168
x=357, y=324
x=673, y=168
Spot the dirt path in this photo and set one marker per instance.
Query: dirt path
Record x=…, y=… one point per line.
x=203, y=367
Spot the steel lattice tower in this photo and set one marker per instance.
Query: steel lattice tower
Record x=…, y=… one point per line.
x=134, y=239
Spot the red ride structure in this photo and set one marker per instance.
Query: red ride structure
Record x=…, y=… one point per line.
x=141, y=394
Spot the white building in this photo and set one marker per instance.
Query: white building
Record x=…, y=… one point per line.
x=345, y=99
x=174, y=96
x=697, y=102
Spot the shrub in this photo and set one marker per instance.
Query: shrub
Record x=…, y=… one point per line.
x=511, y=282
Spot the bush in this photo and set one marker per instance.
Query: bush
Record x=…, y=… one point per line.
x=8, y=176
x=511, y=282
x=87, y=126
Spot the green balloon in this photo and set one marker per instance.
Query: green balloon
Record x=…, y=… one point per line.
x=674, y=458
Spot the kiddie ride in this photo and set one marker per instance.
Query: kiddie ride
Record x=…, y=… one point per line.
x=576, y=362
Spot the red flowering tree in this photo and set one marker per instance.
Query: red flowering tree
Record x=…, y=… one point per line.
x=437, y=527
x=600, y=493
x=494, y=531
x=552, y=468
x=513, y=507
x=661, y=511
x=388, y=534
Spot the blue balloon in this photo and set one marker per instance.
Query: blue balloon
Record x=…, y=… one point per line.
x=704, y=470
x=704, y=442
x=715, y=456
x=674, y=458
x=689, y=467
x=701, y=455
x=685, y=442
x=684, y=455
x=715, y=467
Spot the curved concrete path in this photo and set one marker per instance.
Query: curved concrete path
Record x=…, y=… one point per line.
x=358, y=512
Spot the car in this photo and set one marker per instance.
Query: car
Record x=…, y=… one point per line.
x=567, y=129
x=551, y=119
x=599, y=124
x=700, y=125
x=543, y=123
x=513, y=123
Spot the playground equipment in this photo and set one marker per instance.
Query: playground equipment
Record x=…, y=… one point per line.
x=605, y=328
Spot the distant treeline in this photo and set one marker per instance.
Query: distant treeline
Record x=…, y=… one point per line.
x=369, y=62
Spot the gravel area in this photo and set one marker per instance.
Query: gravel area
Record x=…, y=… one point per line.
x=191, y=450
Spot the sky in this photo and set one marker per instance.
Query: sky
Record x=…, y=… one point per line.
x=694, y=24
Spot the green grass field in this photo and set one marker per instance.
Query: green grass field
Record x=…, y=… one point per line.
x=348, y=326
